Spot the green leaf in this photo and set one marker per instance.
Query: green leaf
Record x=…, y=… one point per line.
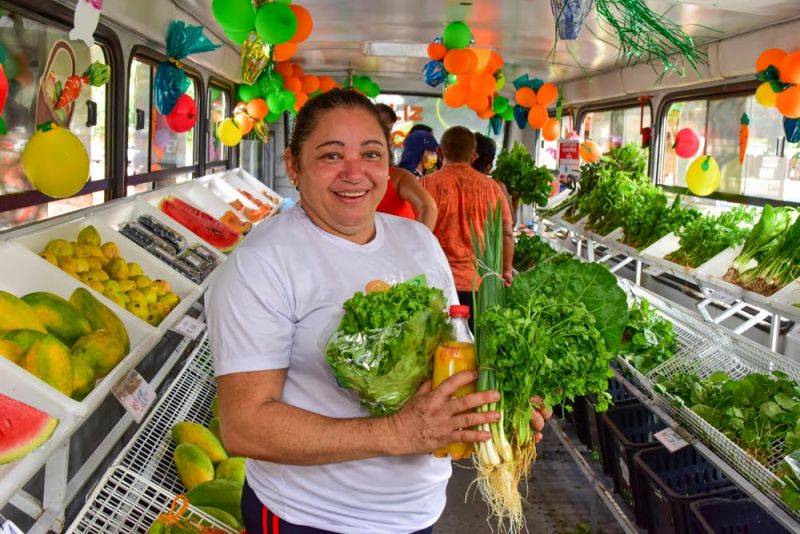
x=785, y=401
x=771, y=410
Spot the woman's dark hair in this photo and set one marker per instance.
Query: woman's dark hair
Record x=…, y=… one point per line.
x=486, y=149
x=310, y=113
x=386, y=112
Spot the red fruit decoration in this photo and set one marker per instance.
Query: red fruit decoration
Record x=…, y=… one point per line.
x=183, y=116
x=3, y=97
x=686, y=143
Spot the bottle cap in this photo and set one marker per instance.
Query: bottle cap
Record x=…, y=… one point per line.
x=459, y=310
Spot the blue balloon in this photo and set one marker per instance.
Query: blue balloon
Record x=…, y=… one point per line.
x=433, y=73
x=791, y=128
x=495, y=123
x=521, y=116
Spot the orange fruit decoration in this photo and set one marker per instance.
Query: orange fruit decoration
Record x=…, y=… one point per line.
x=455, y=95
x=459, y=61
x=550, y=130
x=304, y=23
x=293, y=84
x=477, y=102
x=326, y=83
x=310, y=83
x=495, y=62
x=297, y=71
x=589, y=152
x=525, y=97
x=257, y=108
x=537, y=116
x=547, y=94
x=284, y=69
x=788, y=102
x=436, y=51
x=790, y=68
x=245, y=122
x=284, y=51
x=487, y=113
x=482, y=83
x=770, y=56
x=300, y=100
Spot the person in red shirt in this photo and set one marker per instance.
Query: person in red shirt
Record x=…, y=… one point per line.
x=405, y=197
x=463, y=196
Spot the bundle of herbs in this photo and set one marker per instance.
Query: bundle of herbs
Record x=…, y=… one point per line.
x=649, y=216
x=526, y=182
x=530, y=250
x=704, y=237
x=788, y=485
x=648, y=339
x=608, y=202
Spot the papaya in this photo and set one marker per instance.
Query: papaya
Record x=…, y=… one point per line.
x=102, y=350
x=16, y=314
x=188, y=432
x=223, y=494
x=24, y=337
x=83, y=378
x=89, y=236
x=222, y=516
x=59, y=317
x=50, y=360
x=193, y=465
x=231, y=469
x=213, y=426
x=99, y=315
x=10, y=350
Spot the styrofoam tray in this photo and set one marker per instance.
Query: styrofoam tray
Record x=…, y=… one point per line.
x=713, y=270
x=152, y=267
x=264, y=190
x=22, y=272
x=195, y=193
x=228, y=193
x=237, y=182
x=129, y=211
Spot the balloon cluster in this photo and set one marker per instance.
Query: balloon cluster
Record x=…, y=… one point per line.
x=276, y=23
x=364, y=85
x=532, y=98
x=780, y=73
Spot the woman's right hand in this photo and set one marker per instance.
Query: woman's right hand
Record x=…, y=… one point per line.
x=432, y=419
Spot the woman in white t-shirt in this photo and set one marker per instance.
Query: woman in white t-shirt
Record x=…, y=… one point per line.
x=316, y=461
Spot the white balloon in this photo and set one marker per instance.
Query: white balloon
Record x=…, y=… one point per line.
x=86, y=18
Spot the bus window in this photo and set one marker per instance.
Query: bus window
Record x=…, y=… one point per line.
x=770, y=169
x=548, y=150
x=29, y=45
x=616, y=127
x=219, y=108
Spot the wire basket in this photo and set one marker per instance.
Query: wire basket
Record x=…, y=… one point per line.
x=188, y=398
x=124, y=502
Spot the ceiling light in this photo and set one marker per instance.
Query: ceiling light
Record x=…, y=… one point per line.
x=395, y=49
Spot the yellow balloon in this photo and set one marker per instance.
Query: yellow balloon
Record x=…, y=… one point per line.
x=702, y=176
x=765, y=95
x=229, y=132
x=55, y=161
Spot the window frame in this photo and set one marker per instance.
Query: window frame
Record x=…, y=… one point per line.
x=59, y=16
x=719, y=92
x=147, y=55
x=618, y=105
x=230, y=89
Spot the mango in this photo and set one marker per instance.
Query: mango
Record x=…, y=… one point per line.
x=110, y=250
x=139, y=309
x=16, y=314
x=94, y=264
x=142, y=281
x=196, y=434
x=126, y=285
x=193, y=465
x=80, y=251
x=117, y=269
x=223, y=494
x=59, y=317
x=83, y=378
x=97, y=275
x=24, y=337
x=59, y=247
x=150, y=293
x=49, y=360
x=231, y=469
x=213, y=426
x=68, y=263
x=10, y=351
x=170, y=299
x=156, y=313
x=134, y=270
x=99, y=315
x=102, y=350
x=89, y=236
x=49, y=256
x=222, y=516
x=97, y=286
x=162, y=287
x=115, y=297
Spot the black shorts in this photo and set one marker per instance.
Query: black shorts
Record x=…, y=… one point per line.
x=259, y=520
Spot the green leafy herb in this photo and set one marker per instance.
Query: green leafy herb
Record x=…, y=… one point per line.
x=530, y=250
x=526, y=182
x=648, y=339
x=647, y=217
x=704, y=237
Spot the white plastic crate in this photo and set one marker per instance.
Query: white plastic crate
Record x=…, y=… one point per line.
x=126, y=503
x=188, y=398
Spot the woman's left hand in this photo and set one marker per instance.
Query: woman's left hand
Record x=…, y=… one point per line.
x=539, y=416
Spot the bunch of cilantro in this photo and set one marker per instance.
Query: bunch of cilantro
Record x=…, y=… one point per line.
x=530, y=250
x=649, y=216
x=706, y=236
x=383, y=348
x=648, y=339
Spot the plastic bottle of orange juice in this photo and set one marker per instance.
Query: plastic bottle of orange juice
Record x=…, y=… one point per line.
x=450, y=358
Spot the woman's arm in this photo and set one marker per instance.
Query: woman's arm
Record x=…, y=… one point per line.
x=410, y=190
x=254, y=422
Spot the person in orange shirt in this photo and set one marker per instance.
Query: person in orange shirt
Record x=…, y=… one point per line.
x=463, y=196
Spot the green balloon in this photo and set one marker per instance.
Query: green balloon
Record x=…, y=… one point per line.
x=275, y=102
x=236, y=36
x=289, y=100
x=235, y=15
x=271, y=82
x=276, y=23
x=508, y=114
x=287, y=2
x=500, y=105
x=456, y=35
x=373, y=90
x=249, y=92
x=362, y=83
x=273, y=116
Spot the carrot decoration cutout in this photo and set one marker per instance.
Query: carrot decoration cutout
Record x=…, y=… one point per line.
x=744, y=132
x=96, y=75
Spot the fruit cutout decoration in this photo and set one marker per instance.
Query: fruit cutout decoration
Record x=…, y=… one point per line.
x=23, y=429
x=686, y=144
x=744, y=133
x=589, y=152
x=3, y=98
x=532, y=98
x=55, y=161
x=97, y=74
x=703, y=176
x=183, y=116
x=780, y=73
x=87, y=15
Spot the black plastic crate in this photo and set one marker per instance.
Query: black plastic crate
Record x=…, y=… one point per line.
x=627, y=430
x=726, y=516
x=585, y=417
x=668, y=482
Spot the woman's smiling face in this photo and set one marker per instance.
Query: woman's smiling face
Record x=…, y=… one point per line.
x=341, y=172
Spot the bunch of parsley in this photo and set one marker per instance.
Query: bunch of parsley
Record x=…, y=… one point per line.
x=704, y=237
x=648, y=339
x=530, y=250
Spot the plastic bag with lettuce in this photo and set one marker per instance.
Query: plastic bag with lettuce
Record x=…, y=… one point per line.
x=383, y=348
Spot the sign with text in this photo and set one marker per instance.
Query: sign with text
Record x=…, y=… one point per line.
x=569, y=160
x=671, y=440
x=135, y=395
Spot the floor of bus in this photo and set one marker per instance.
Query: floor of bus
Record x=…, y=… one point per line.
x=559, y=498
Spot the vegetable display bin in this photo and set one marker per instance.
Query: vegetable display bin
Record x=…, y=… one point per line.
x=627, y=430
x=668, y=482
x=715, y=516
x=586, y=418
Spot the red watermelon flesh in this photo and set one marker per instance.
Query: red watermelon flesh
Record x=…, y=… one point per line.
x=23, y=428
x=201, y=223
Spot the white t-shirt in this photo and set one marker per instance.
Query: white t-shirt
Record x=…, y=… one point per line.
x=275, y=304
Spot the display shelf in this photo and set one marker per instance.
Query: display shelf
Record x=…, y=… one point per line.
x=188, y=398
x=126, y=503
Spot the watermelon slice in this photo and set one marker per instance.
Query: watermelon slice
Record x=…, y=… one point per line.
x=211, y=230
x=23, y=428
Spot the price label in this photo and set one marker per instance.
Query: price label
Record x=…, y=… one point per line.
x=670, y=439
x=10, y=528
x=189, y=326
x=135, y=395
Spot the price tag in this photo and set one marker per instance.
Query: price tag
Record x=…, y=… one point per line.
x=10, y=528
x=189, y=326
x=670, y=439
x=135, y=394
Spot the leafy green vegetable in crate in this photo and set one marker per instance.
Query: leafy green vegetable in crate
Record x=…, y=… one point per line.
x=789, y=485
x=384, y=345
x=530, y=250
x=778, y=266
x=762, y=239
x=608, y=202
x=648, y=217
x=648, y=339
x=704, y=237
x=526, y=182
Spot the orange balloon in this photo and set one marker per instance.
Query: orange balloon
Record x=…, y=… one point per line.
x=301, y=99
x=790, y=68
x=326, y=83
x=283, y=51
x=537, y=116
x=495, y=62
x=589, y=152
x=525, y=97
x=487, y=113
x=455, y=95
x=547, y=94
x=770, y=56
x=293, y=84
x=482, y=56
x=788, y=102
x=240, y=107
x=304, y=23
x=297, y=71
x=284, y=69
x=550, y=130
x=477, y=102
x=482, y=83
x=245, y=122
x=436, y=51
x=459, y=61
x=257, y=108
x=310, y=83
